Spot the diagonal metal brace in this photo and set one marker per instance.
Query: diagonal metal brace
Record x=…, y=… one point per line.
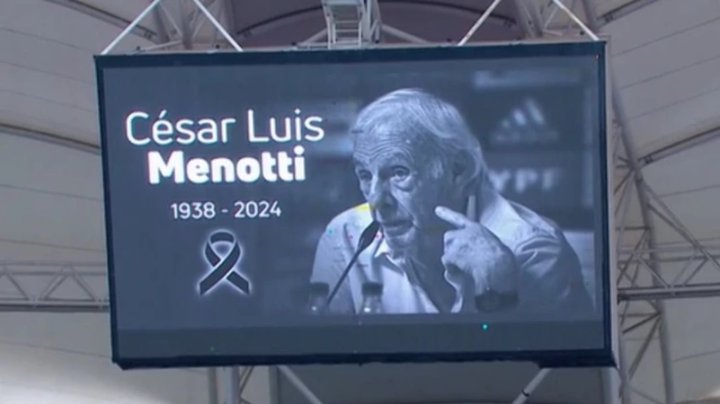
x=152, y=6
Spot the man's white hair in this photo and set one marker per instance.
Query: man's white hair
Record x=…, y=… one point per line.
x=414, y=112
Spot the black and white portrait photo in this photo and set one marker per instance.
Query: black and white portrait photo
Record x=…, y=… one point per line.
x=448, y=241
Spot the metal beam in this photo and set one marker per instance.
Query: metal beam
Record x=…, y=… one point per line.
x=43, y=307
x=299, y=384
x=534, y=17
x=51, y=273
x=212, y=386
x=531, y=23
x=625, y=391
x=229, y=11
x=590, y=32
x=52, y=138
x=680, y=258
x=680, y=145
x=232, y=383
x=183, y=28
x=52, y=276
x=403, y=35
x=351, y=23
x=532, y=385
x=162, y=28
x=314, y=39
x=612, y=10
x=670, y=292
x=432, y=6
x=134, y=24
x=669, y=248
x=184, y=22
x=483, y=17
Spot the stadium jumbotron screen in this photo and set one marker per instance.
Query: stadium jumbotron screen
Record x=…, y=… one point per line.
x=421, y=204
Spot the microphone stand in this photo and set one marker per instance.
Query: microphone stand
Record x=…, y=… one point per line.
x=366, y=238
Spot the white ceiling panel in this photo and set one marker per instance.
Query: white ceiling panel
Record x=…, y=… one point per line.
x=52, y=117
x=689, y=48
x=51, y=202
x=48, y=167
x=649, y=373
x=699, y=373
x=35, y=369
x=48, y=86
x=51, y=219
x=62, y=24
x=660, y=20
x=694, y=355
x=697, y=211
x=49, y=358
x=14, y=249
x=47, y=79
x=657, y=126
x=128, y=9
x=673, y=87
x=47, y=55
x=666, y=60
x=686, y=171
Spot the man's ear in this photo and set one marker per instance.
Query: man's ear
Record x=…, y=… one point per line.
x=461, y=169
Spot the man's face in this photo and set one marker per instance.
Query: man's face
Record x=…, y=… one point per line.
x=403, y=183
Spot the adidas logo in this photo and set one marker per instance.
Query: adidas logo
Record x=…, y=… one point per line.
x=525, y=124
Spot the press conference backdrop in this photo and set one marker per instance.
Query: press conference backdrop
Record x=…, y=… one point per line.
x=222, y=172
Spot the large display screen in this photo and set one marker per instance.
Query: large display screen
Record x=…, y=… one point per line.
x=418, y=204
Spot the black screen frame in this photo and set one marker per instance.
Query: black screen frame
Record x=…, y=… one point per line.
x=547, y=358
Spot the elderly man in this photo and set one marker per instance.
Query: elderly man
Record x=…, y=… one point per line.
x=418, y=167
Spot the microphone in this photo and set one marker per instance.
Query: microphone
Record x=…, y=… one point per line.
x=366, y=238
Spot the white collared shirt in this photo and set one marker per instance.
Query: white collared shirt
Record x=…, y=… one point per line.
x=549, y=268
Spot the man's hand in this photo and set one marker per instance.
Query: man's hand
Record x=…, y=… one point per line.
x=475, y=251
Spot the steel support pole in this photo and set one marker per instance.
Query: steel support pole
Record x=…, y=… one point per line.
x=610, y=377
x=673, y=292
x=535, y=17
x=530, y=388
x=212, y=386
x=130, y=27
x=611, y=386
x=528, y=25
x=616, y=9
x=630, y=150
x=314, y=37
x=233, y=386
x=184, y=29
x=625, y=390
x=218, y=26
x=184, y=22
x=162, y=29
x=274, y=393
x=405, y=36
x=302, y=387
x=479, y=22
x=588, y=31
x=664, y=338
x=666, y=356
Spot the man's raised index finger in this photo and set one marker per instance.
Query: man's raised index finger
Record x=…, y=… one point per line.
x=454, y=218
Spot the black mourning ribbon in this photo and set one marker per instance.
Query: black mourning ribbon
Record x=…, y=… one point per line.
x=223, y=268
